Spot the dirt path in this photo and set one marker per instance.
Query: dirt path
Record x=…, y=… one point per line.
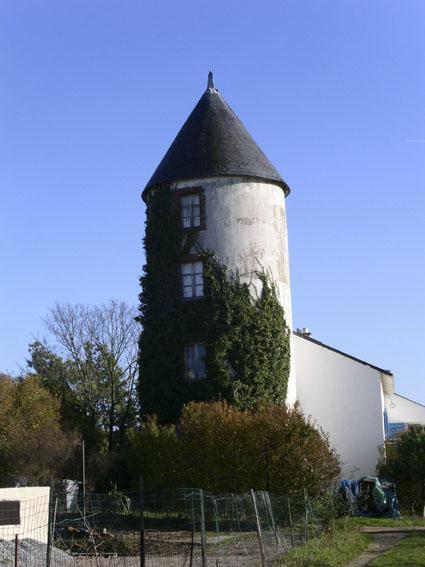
x=381, y=542
x=383, y=539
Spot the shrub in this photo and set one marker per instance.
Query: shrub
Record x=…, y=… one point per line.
x=154, y=452
x=405, y=463
x=222, y=449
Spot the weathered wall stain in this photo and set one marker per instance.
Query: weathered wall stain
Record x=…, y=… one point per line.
x=246, y=229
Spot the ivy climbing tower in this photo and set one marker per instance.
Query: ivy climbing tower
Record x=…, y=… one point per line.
x=224, y=197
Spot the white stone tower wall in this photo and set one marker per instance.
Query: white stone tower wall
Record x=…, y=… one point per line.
x=246, y=228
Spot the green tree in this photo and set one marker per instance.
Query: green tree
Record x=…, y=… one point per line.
x=6, y=423
x=405, y=463
x=32, y=443
x=92, y=370
x=56, y=375
x=61, y=377
x=95, y=371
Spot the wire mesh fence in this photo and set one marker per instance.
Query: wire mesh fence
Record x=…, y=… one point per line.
x=24, y=532
x=165, y=528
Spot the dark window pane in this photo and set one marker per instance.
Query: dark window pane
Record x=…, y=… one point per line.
x=10, y=512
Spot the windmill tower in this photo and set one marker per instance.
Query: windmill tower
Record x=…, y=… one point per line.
x=227, y=189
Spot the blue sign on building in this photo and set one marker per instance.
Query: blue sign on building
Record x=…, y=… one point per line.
x=395, y=429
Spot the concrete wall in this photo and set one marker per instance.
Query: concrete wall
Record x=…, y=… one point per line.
x=246, y=228
x=345, y=398
x=34, y=512
x=403, y=410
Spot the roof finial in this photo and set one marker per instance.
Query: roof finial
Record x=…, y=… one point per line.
x=210, y=81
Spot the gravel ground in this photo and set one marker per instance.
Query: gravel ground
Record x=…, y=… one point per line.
x=31, y=553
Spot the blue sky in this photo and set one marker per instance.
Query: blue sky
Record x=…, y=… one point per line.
x=93, y=93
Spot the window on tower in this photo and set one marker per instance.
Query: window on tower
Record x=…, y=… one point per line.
x=192, y=274
x=194, y=360
x=192, y=208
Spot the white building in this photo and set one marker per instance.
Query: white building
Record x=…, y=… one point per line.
x=351, y=400
x=228, y=189
x=24, y=512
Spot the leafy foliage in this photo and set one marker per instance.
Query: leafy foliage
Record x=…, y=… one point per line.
x=58, y=377
x=167, y=321
x=92, y=373
x=154, y=451
x=405, y=463
x=246, y=337
x=221, y=448
x=100, y=347
x=32, y=443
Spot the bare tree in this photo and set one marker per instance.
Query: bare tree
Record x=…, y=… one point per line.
x=101, y=342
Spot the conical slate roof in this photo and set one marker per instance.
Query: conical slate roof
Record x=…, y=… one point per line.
x=213, y=142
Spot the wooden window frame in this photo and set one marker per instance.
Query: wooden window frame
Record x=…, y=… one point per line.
x=190, y=259
x=186, y=192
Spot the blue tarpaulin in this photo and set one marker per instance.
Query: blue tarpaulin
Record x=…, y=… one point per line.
x=370, y=496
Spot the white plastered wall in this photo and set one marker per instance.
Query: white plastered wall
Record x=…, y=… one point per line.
x=345, y=398
x=403, y=410
x=246, y=228
x=34, y=512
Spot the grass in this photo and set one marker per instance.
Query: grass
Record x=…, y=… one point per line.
x=328, y=550
x=354, y=521
x=348, y=542
x=410, y=551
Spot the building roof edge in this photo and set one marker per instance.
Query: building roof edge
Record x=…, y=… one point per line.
x=364, y=362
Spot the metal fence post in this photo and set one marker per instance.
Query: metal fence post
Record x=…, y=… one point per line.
x=203, y=531
x=142, y=525
x=16, y=549
x=332, y=527
x=190, y=501
x=269, y=508
x=192, y=536
x=235, y=502
x=215, y=508
x=258, y=525
x=51, y=533
x=49, y=529
x=84, y=479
